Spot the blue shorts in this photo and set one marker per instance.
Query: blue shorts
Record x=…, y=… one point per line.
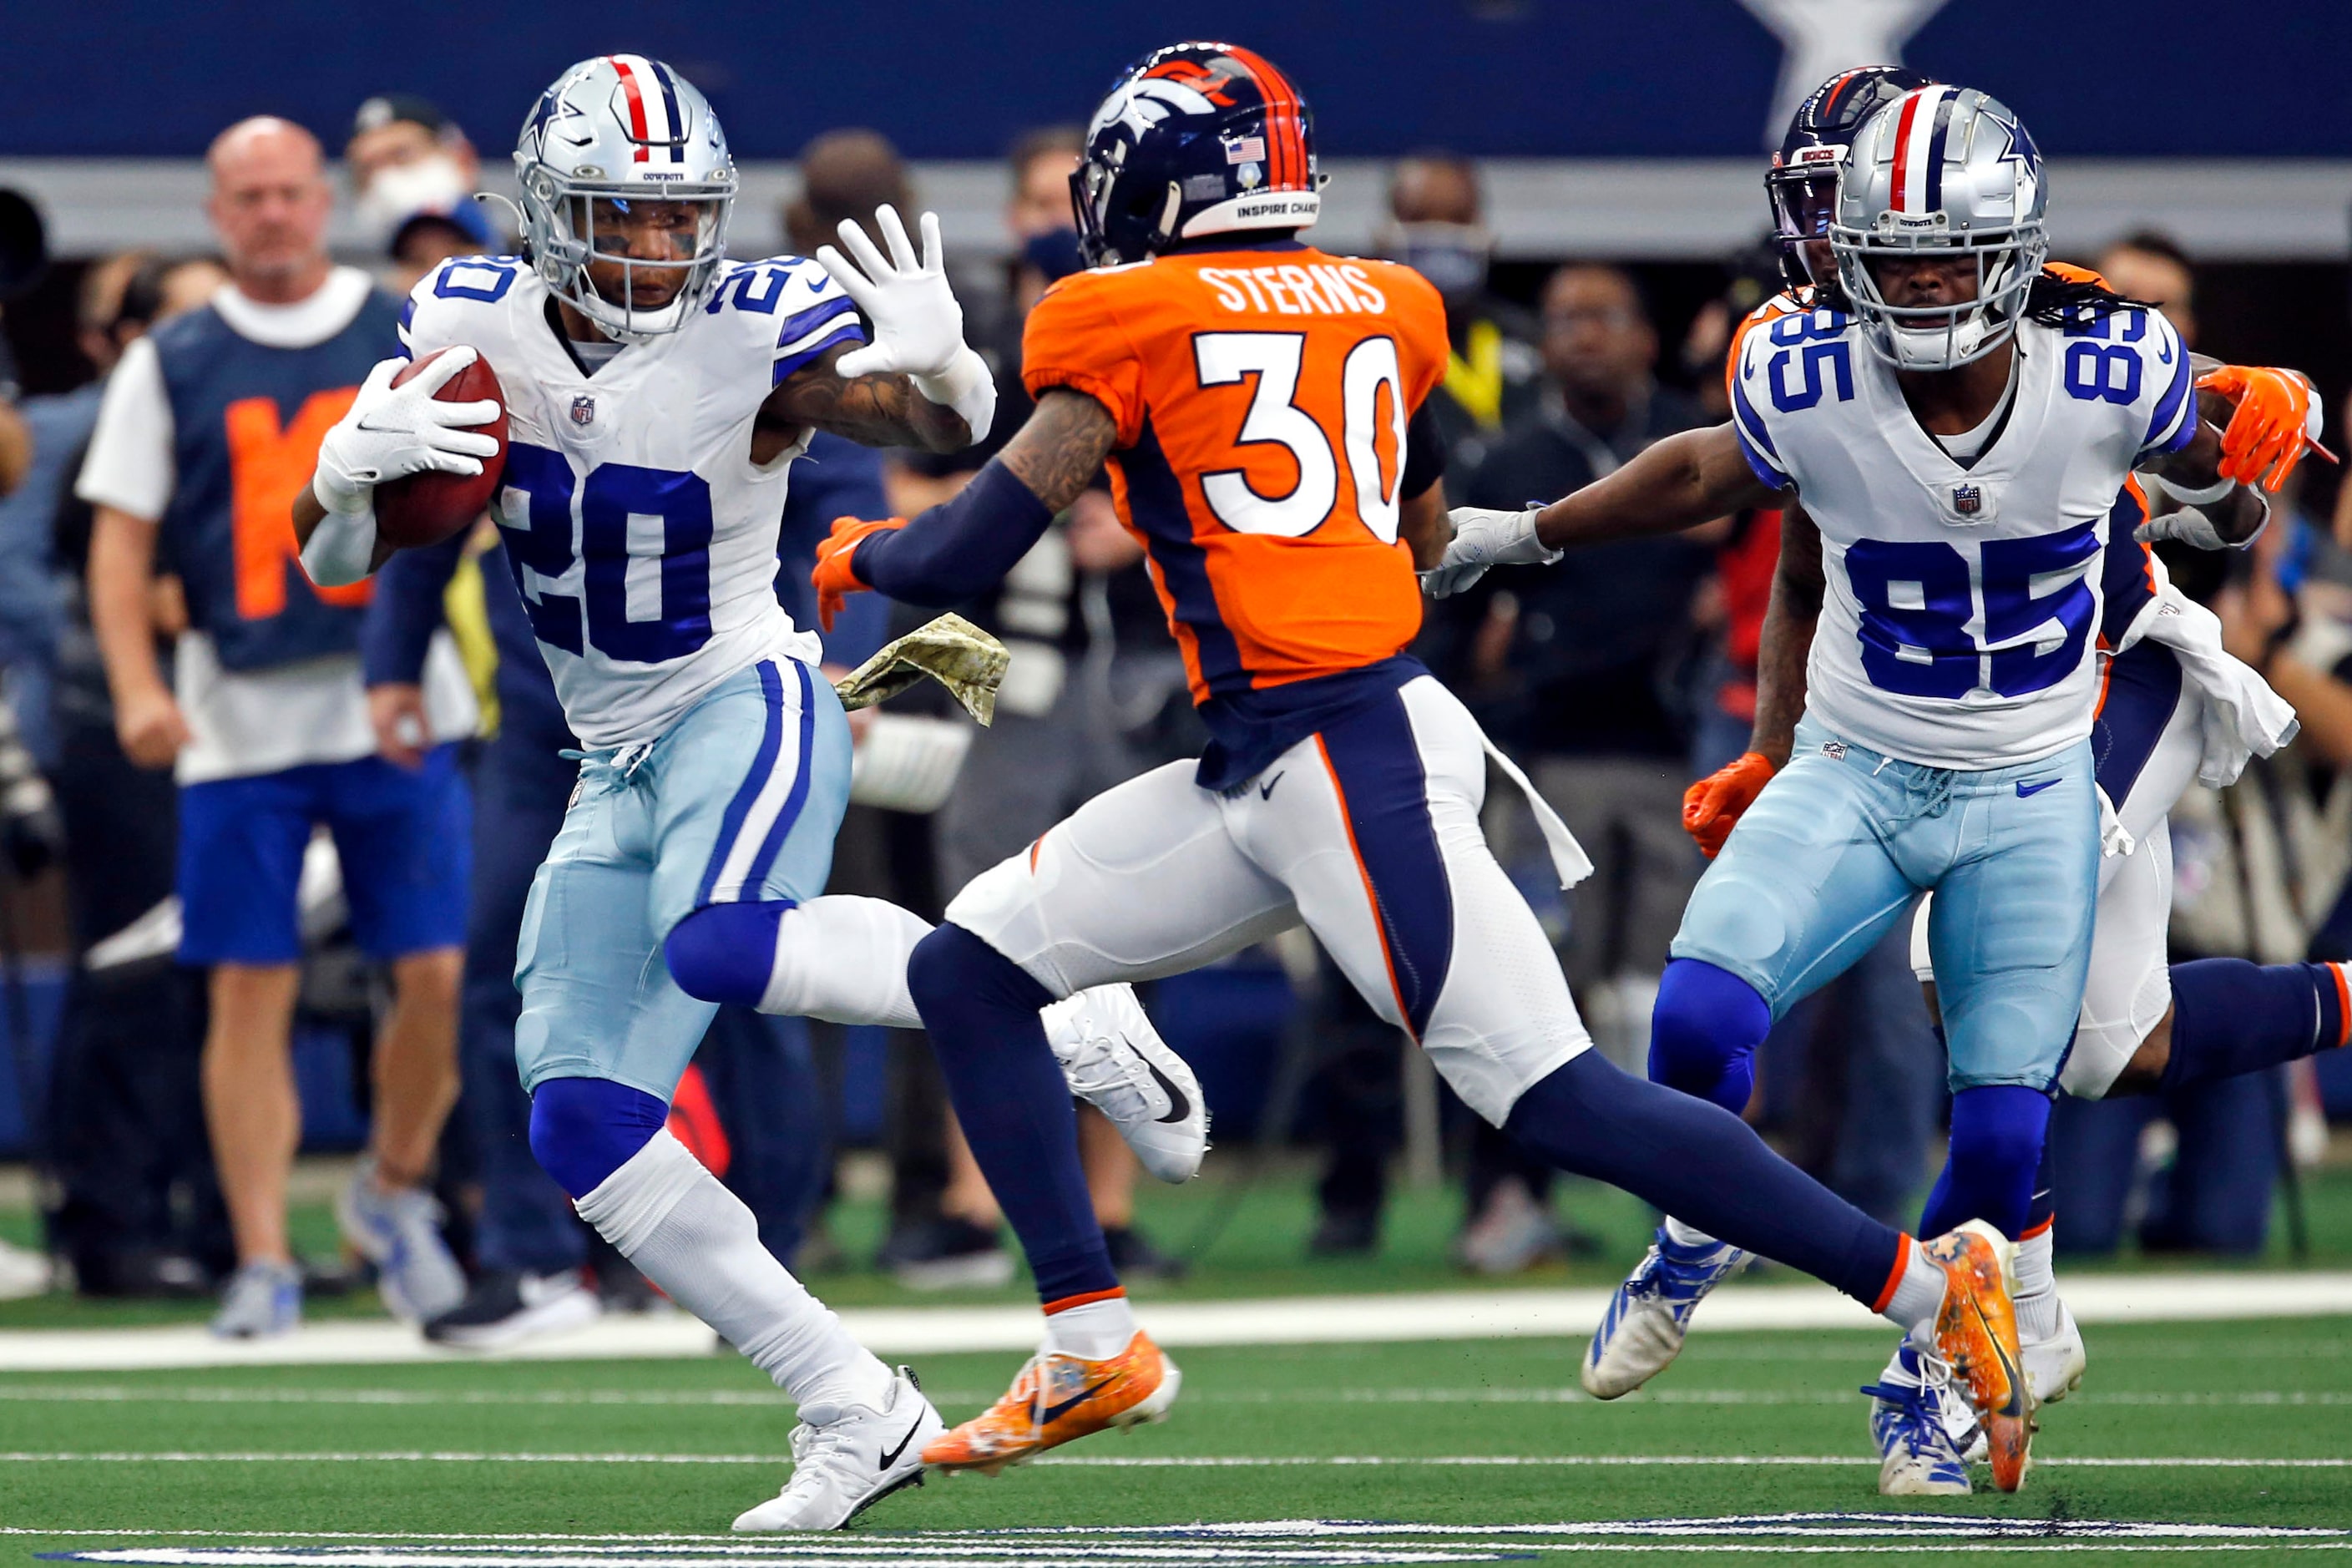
x=405, y=840
x=1843, y=839
x=737, y=802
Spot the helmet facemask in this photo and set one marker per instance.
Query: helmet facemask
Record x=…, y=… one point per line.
x=1805, y=200
x=576, y=223
x=1940, y=336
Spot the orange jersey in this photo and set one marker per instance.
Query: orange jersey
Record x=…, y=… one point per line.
x=1262, y=396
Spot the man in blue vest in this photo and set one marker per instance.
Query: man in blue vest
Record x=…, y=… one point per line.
x=209, y=429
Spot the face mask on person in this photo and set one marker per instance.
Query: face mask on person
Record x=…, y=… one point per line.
x=1452, y=255
x=433, y=184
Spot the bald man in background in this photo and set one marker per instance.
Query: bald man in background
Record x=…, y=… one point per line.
x=209, y=427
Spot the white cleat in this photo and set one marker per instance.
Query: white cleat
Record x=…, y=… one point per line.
x=1643, y=1330
x=1924, y=1430
x=2054, y=1367
x=1116, y=1061
x=845, y=1461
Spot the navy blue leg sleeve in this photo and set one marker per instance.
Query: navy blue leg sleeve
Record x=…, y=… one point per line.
x=2230, y=1016
x=1997, y=1132
x=1706, y=1167
x=981, y=1011
x=1704, y=1033
x=584, y=1129
x=2042, y=1207
x=726, y=952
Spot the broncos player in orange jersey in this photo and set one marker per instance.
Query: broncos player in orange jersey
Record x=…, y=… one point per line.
x=1260, y=404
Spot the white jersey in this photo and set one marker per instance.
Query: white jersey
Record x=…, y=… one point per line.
x=1963, y=598
x=641, y=534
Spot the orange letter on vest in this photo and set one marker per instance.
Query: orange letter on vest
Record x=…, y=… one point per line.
x=268, y=469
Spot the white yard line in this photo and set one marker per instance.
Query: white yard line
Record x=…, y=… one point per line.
x=1297, y=1319
x=758, y=1398
x=1270, y=1543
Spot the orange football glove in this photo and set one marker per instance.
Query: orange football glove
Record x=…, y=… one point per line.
x=2276, y=421
x=835, y=578
x=2073, y=274
x=1712, y=806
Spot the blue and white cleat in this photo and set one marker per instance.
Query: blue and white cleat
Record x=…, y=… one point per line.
x=261, y=1302
x=1641, y=1333
x=1924, y=1430
x=399, y=1231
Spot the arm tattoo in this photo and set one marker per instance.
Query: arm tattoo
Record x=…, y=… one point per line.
x=1061, y=449
x=877, y=410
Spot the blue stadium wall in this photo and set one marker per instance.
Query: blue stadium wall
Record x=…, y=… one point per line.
x=1498, y=77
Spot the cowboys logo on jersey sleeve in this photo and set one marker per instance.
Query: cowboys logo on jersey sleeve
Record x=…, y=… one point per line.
x=641, y=534
x=1963, y=597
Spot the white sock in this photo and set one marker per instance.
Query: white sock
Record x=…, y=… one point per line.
x=1682, y=1235
x=1918, y=1291
x=2037, y=1287
x=1096, y=1332
x=695, y=1239
x=843, y=958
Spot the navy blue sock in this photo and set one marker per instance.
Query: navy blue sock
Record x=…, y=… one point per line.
x=1704, y=1033
x=981, y=1011
x=1998, y=1132
x=584, y=1129
x=2230, y=1016
x=726, y=952
x=1706, y=1168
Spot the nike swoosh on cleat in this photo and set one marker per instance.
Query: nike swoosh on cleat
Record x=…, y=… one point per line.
x=2036, y=787
x=890, y=1456
x=2008, y=1368
x=1266, y=789
x=1053, y=1413
x=1179, y=1107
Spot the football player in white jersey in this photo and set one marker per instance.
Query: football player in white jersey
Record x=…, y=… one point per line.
x=1957, y=438
x=2164, y=716
x=656, y=394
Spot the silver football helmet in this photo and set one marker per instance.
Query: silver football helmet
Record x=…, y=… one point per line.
x=615, y=129
x=1941, y=169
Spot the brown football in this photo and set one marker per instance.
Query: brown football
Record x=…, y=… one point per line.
x=425, y=509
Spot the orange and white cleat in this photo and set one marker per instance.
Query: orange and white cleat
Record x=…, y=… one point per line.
x=1975, y=1333
x=1057, y=1399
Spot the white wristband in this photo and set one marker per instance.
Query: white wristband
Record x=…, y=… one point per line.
x=966, y=386
x=342, y=548
x=340, y=498
x=2205, y=497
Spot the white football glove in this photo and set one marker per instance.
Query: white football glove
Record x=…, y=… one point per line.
x=917, y=325
x=392, y=432
x=2192, y=527
x=1484, y=538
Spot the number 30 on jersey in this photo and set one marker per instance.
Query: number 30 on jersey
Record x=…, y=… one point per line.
x=1276, y=416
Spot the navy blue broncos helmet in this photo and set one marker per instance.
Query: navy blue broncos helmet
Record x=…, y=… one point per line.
x=1194, y=139
x=1801, y=184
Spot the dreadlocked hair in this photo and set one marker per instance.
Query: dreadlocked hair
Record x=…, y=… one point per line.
x=2059, y=301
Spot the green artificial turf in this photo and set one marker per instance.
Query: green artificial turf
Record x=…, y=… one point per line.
x=2241, y=1392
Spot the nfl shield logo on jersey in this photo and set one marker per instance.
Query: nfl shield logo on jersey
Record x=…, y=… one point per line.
x=583, y=410
x=1967, y=499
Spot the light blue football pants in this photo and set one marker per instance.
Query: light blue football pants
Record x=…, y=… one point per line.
x=738, y=802
x=1835, y=848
